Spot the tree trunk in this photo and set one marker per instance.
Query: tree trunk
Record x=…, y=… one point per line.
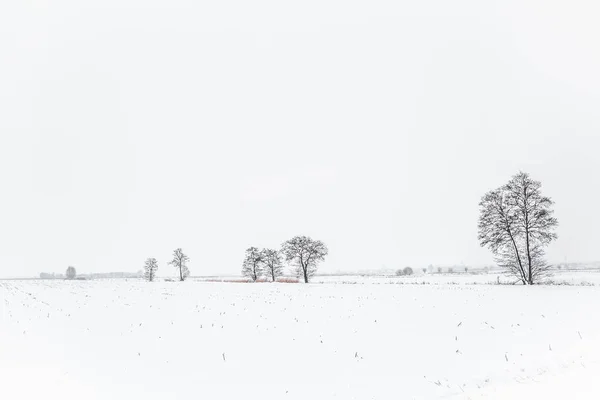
x=527, y=235
x=523, y=277
x=273, y=274
x=529, y=257
x=528, y=250
x=305, y=270
x=180, y=273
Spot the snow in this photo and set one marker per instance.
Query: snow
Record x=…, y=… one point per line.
x=123, y=339
x=589, y=277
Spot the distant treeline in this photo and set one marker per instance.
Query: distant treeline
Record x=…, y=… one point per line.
x=104, y=275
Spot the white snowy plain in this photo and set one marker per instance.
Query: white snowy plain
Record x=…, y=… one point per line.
x=129, y=339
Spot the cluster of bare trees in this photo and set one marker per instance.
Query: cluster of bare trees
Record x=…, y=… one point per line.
x=301, y=252
x=179, y=262
x=265, y=262
x=516, y=222
x=406, y=271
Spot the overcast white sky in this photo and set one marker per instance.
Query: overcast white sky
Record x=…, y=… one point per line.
x=131, y=127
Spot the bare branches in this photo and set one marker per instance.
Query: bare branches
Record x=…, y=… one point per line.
x=272, y=262
x=253, y=263
x=516, y=222
x=150, y=268
x=535, y=218
x=301, y=252
x=498, y=230
x=305, y=253
x=180, y=261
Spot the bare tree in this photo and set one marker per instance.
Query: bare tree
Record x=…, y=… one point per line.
x=253, y=263
x=150, y=268
x=536, y=221
x=272, y=262
x=499, y=230
x=180, y=261
x=71, y=273
x=305, y=253
x=516, y=223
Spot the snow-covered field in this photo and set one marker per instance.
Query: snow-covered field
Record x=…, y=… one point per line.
x=128, y=339
x=589, y=277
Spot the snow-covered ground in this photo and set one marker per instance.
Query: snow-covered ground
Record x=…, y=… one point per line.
x=590, y=277
x=128, y=339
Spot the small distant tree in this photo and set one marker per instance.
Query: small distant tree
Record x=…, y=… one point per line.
x=424, y=270
x=253, y=263
x=399, y=272
x=450, y=270
x=150, y=268
x=305, y=253
x=272, y=261
x=439, y=270
x=466, y=269
x=407, y=271
x=180, y=261
x=71, y=273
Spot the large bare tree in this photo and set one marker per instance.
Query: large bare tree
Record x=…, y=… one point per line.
x=536, y=220
x=499, y=230
x=516, y=222
x=150, y=268
x=272, y=262
x=180, y=261
x=253, y=263
x=305, y=253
